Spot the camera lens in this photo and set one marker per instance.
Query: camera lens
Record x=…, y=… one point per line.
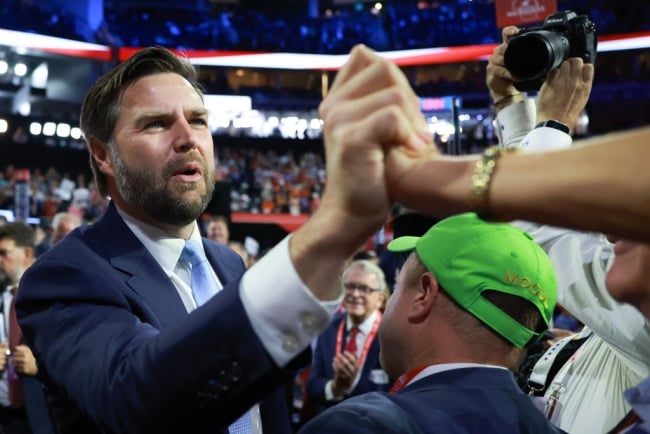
x=532, y=55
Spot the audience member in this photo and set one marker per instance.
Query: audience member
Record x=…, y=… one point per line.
x=239, y=248
x=114, y=316
x=217, y=229
x=62, y=224
x=346, y=358
x=582, y=389
x=22, y=407
x=468, y=301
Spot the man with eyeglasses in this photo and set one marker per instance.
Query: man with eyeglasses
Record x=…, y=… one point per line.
x=346, y=358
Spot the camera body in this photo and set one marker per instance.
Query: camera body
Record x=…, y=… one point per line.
x=536, y=51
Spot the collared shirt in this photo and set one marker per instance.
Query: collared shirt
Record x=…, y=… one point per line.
x=264, y=290
x=4, y=337
x=364, y=330
x=442, y=367
x=589, y=388
x=167, y=250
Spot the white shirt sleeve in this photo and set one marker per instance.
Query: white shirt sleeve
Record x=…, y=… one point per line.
x=545, y=139
x=581, y=261
x=514, y=122
x=285, y=315
x=329, y=393
x=516, y=127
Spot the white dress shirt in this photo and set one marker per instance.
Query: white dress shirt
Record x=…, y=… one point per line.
x=589, y=387
x=264, y=290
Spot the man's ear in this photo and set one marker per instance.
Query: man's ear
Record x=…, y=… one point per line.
x=29, y=253
x=99, y=153
x=424, y=298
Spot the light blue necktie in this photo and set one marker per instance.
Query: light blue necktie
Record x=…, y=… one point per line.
x=204, y=286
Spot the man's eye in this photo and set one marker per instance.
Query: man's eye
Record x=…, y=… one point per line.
x=200, y=121
x=154, y=124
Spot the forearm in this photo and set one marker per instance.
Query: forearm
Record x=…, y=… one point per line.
x=603, y=186
x=321, y=247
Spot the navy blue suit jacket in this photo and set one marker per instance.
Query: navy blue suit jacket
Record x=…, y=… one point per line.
x=321, y=370
x=461, y=401
x=119, y=353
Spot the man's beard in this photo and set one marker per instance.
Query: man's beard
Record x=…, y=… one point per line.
x=146, y=190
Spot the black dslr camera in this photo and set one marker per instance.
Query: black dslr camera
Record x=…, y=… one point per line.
x=534, y=52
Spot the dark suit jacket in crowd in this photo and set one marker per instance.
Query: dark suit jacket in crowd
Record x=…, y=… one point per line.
x=461, y=401
x=119, y=353
x=321, y=370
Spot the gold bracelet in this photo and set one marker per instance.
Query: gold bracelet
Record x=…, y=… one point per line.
x=508, y=100
x=482, y=176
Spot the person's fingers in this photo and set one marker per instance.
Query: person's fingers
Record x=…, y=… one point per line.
x=360, y=57
x=498, y=71
x=588, y=73
x=380, y=83
x=383, y=76
x=508, y=31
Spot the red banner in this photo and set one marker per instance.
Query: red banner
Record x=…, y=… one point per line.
x=518, y=12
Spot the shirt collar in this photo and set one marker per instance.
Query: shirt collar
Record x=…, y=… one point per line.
x=165, y=248
x=365, y=326
x=442, y=367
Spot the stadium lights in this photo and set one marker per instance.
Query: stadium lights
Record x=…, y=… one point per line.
x=20, y=69
x=49, y=128
x=63, y=130
x=75, y=133
x=35, y=128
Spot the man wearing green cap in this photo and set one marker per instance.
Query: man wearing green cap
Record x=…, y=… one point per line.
x=470, y=298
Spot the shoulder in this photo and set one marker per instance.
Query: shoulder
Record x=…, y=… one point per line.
x=368, y=413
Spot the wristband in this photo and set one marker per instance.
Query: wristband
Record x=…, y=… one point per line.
x=508, y=100
x=556, y=125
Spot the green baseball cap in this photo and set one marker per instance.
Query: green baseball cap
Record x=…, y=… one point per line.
x=469, y=256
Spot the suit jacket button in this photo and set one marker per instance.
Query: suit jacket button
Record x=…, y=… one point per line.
x=289, y=344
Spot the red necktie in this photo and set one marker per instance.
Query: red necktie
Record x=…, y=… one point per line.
x=351, y=345
x=16, y=395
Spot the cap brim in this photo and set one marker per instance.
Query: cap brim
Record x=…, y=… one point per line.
x=403, y=244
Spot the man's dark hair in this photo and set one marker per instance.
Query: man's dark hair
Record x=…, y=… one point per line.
x=101, y=107
x=21, y=233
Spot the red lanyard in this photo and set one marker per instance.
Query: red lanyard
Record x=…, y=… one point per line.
x=405, y=379
x=366, y=344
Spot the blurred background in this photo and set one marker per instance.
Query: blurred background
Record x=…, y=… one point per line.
x=265, y=67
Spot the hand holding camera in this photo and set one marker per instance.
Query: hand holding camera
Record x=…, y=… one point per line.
x=534, y=52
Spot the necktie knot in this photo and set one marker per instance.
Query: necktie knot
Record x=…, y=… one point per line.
x=203, y=284
x=351, y=345
x=192, y=253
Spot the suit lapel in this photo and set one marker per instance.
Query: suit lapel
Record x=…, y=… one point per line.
x=225, y=266
x=142, y=273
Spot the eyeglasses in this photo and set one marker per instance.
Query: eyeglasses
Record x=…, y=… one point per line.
x=350, y=287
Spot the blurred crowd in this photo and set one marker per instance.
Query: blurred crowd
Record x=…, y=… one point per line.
x=269, y=181
x=259, y=181
x=225, y=26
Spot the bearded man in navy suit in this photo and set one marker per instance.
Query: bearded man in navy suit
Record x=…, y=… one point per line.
x=122, y=344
